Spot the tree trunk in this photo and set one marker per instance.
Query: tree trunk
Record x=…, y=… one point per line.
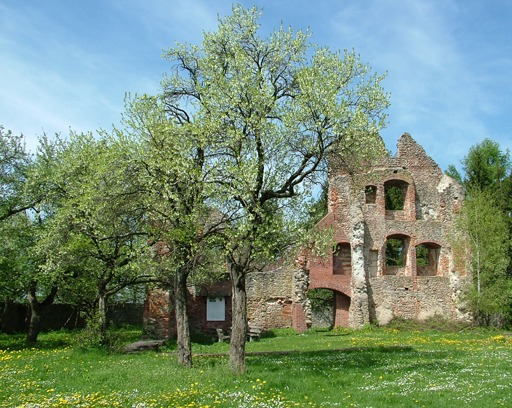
x=7, y=311
x=102, y=318
x=182, y=323
x=34, y=324
x=239, y=320
x=36, y=308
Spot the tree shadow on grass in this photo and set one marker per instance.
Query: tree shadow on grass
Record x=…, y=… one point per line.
x=325, y=363
x=353, y=357
x=46, y=341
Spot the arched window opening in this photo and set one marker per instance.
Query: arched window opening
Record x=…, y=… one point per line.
x=395, y=192
x=396, y=254
x=427, y=259
x=342, y=259
x=370, y=194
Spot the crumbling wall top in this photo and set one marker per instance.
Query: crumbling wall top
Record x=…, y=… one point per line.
x=414, y=154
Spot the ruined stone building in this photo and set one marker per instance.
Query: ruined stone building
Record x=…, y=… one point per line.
x=392, y=257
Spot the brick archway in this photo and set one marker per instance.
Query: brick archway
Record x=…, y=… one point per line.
x=340, y=307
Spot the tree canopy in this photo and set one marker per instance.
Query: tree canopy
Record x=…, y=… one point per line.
x=485, y=225
x=270, y=110
x=221, y=163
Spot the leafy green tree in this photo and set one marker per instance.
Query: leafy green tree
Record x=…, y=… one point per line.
x=319, y=207
x=170, y=158
x=14, y=164
x=487, y=224
x=20, y=223
x=94, y=240
x=14, y=261
x=272, y=110
x=486, y=166
x=484, y=228
x=454, y=173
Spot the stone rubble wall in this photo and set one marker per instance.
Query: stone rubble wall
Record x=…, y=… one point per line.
x=431, y=202
x=413, y=298
x=270, y=298
x=278, y=298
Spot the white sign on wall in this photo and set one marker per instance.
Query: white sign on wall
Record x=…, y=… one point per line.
x=216, y=309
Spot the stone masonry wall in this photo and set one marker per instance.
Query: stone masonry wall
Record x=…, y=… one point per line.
x=273, y=299
x=358, y=214
x=411, y=298
x=368, y=288
x=270, y=298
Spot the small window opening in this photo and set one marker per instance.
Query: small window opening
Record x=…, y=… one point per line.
x=396, y=254
x=342, y=259
x=427, y=259
x=370, y=193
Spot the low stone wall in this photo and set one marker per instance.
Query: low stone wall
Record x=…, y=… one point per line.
x=419, y=298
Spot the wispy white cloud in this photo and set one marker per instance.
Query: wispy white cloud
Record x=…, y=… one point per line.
x=69, y=64
x=52, y=82
x=436, y=94
x=171, y=21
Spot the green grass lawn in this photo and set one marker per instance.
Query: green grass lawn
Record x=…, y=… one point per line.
x=346, y=368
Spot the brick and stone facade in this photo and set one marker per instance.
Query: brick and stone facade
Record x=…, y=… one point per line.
x=392, y=257
x=372, y=231
x=275, y=299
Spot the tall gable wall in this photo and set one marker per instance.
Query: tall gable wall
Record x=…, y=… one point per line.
x=358, y=212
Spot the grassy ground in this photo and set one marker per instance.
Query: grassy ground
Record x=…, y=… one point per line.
x=367, y=368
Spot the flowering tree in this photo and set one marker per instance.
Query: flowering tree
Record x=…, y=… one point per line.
x=271, y=110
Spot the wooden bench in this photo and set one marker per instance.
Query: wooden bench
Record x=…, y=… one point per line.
x=222, y=336
x=253, y=333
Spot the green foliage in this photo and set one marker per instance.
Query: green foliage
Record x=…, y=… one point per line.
x=394, y=198
x=394, y=252
x=318, y=208
x=454, y=173
x=321, y=298
x=486, y=166
x=485, y=225
x=169, y=162
x=484, y=228
x=268, y=111
x=17, y=263
x=15, y=162
x=93, y=242
x=271, y=113
x=422, y=255
x=93, y=337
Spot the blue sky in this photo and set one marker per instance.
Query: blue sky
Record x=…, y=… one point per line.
x=68, y=64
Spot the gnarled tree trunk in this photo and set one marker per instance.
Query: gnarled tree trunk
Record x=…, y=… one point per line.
x=36, y=308
x=239, y=320
x=182, y=323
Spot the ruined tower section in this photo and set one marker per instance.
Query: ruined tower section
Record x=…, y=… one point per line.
x=392, y=226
